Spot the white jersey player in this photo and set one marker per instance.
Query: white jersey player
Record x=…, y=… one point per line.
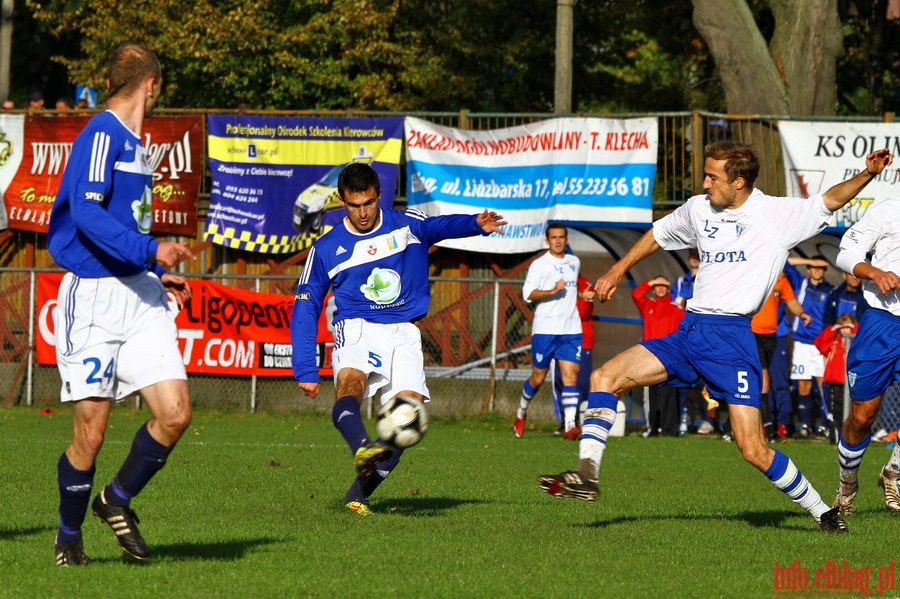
x=552, y=285
x=743, y=237
x=873, y=362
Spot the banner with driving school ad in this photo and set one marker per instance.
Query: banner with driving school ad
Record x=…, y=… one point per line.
x=581, y=171
x=222, y=330
x=174, y=150
x=818, y=155
x=274, y=178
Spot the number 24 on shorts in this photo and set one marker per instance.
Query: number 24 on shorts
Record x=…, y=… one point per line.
x=96, y=366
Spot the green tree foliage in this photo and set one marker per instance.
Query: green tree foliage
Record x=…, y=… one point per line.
x=409, y=55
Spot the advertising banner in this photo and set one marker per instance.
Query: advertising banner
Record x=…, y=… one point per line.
x=580, y=171
x=174, y=149
x=274, y=178
x=222, y=330
x=818, y=155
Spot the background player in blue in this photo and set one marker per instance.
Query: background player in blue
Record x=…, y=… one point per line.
x=115, y=333
x=873, y=362
x=376, y=263
x=807, y=362
x=744, y=237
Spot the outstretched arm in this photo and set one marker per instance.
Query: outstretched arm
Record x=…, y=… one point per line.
x=838, y=195
x=490, y=222
x=606, y=285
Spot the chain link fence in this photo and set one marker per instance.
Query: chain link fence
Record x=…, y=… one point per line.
x=475, y=341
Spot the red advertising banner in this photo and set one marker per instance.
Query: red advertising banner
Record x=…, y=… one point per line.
x=222, y=330
x=174, y=149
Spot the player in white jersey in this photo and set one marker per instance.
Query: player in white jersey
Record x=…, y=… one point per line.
x=873, y=362
x=115, y=333
x=744, y=237
x=376, y=263
x=552, y=284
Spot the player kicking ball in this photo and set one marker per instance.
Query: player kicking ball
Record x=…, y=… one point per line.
x=743, y=237
x=376, y=263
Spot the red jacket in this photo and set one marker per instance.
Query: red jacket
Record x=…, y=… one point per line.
x=661, y=316
x=831, y=343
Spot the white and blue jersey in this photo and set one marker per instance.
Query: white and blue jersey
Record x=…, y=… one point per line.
x=101, y=218
x=380, y=276
x=873, y=362
x=814, y=299
x=742, y=252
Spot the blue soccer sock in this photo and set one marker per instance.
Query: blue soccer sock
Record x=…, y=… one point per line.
x=146, y=458
x=569, y=401
x=528, y=393
x=74, y=496
x=849, y=458
x=804, y=410
x=598, y=420
x=363, y=487
x=347, y=419
x=790, y=481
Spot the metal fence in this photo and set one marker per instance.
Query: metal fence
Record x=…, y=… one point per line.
x=475, y=341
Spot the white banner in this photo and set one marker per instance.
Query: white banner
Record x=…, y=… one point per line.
x=583, y=172
x=12, y=143
x=818, y=155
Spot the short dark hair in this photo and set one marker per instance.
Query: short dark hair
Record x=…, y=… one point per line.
x=358, y=177
x=740, y=159
x=555, y=225
x=129, y=66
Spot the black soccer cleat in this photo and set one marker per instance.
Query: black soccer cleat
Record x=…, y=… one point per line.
x=832, y=523
x=124, y=523
x=569, y=484
x=71, y=554
x=368, y=456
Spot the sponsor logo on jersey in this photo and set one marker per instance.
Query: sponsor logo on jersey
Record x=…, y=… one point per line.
x=94, y=196
x=340, y=250
x=392, y=243
x=382, y=287
x=302, y=296
x=723, y=256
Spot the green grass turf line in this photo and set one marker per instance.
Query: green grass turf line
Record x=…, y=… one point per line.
x=250, y=506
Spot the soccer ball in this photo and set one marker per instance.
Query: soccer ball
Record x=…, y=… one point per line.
x=402, y=422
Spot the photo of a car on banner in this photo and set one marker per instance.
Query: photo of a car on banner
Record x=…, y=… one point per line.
x=321, y=197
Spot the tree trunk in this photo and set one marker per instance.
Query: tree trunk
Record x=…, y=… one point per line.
x=795, y=76
x=751, y=82
x=805, y=47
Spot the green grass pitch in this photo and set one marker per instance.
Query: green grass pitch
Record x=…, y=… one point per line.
x=250, y=506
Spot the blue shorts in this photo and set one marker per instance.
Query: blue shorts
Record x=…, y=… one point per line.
x=719, y=351
x=873, y=362
x=562, y=347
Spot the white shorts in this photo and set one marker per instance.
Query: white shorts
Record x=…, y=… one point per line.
x=390, y=354
x=115, y=336
x=807, y=362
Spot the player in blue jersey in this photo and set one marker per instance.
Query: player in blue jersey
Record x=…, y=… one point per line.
x=869, y=250
x=376, y=263
x=807, y=362
x=115, y=332
x=744, y=237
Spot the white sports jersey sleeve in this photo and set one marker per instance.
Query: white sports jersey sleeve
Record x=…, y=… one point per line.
x=559, y=314
x=876, y=233
x=743, y=250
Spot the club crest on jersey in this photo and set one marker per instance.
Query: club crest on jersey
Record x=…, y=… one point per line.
x=382, y=287
x=851, y=378
x=739, y=229
x=372, y=250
